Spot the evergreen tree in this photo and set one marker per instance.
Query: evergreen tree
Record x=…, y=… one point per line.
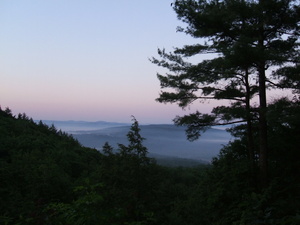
x=135, y=147
x=257, y=47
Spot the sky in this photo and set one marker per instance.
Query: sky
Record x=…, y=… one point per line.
x=87, y=59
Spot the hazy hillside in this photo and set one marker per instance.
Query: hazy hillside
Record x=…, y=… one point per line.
x=71, y=126
x=161, y=140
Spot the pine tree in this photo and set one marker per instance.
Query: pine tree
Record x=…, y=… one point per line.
x=256, y=44
x=135, y=147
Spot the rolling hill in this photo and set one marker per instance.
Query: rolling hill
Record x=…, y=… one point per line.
x=162, y=140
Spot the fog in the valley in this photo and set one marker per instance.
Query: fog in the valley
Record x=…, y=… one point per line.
x=162, y=140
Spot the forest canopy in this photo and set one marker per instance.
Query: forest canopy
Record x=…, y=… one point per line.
x=47, y=177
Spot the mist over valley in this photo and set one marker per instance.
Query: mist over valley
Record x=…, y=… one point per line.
x=164, y=141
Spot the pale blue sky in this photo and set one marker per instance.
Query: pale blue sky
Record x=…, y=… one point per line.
x=86, y=59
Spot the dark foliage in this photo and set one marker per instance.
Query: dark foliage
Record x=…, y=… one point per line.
x=255, y=45
x=48, y=178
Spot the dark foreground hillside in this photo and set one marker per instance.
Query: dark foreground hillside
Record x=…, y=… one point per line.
x=47, y=177
x=39, y=165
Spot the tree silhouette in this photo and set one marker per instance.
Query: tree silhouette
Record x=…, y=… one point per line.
x=256, y=44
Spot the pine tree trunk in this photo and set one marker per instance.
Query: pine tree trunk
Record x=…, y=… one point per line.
x=250, y=139
x=263, y=130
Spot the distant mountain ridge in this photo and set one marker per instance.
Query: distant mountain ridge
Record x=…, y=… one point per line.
x=73, y=126
x=162, y=140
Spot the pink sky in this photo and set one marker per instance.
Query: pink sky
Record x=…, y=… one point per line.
x=86, y=60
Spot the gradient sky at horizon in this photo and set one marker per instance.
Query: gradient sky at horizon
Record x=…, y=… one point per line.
x=87, y=60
